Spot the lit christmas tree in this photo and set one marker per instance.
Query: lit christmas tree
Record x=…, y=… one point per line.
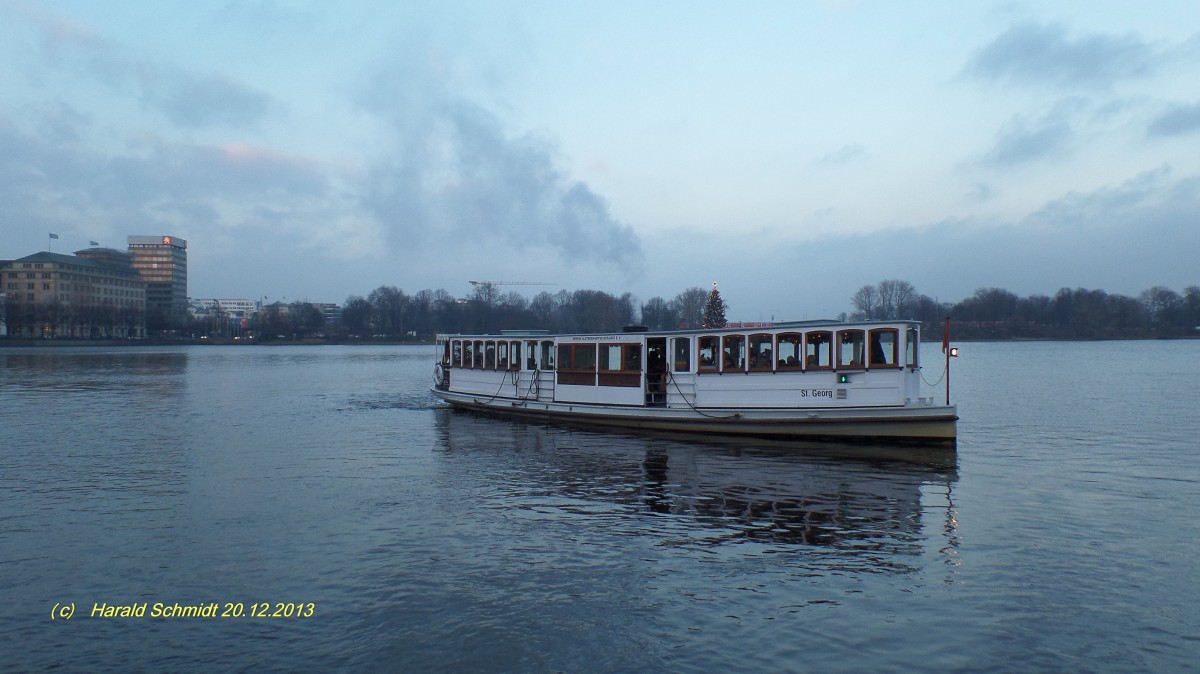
x=714, y=309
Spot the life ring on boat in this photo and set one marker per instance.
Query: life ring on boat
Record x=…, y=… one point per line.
x=439, y=374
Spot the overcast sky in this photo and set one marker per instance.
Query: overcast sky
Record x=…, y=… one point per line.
x=792, y=151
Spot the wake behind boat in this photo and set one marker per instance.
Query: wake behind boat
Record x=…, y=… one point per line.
x=812, y=379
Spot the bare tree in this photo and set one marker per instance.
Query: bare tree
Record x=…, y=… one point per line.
x=389, y=303
x=543, y=307
x=1161, y=304
x=896, y=299
x=657, y=314
x=486, y=292
x=866, y=303
x=689, y=306
x=356, y=315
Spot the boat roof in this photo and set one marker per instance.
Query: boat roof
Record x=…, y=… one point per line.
x=747, y=327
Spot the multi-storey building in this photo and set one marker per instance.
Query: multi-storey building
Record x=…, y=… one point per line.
x=238, y=308
x=331, y=311
x=162, y=263
x=94, y=293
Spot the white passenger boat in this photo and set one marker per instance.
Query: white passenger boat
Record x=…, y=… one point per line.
x=812, y=379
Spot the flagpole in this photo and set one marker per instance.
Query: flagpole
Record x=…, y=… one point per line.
x=947, y=377
x=946, y=350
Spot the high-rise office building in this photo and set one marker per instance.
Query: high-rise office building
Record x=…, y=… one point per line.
x=162, y=263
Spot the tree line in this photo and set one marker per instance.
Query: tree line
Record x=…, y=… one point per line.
x=990, y=313
x=1072, y=313
x=389, y=313
x=87, y=321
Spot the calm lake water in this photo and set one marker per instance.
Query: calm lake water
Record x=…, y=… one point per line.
x=1062, y=536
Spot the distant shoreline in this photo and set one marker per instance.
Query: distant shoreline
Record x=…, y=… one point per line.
x=34, y=343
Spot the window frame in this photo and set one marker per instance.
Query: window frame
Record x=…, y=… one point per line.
x=799, y=356
x=570, y=371
x=713, y=342
x=738, y=339
x=750, y=352
x=871, y=335
x=531, y=361
x=514, y=355
x=686, y=342
x=827, y=342
x=628, y=368
x=840, y=344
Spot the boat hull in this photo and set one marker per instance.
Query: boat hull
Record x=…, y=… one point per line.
x=923, y=424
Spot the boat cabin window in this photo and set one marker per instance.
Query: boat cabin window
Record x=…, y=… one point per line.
x=620, y=365
x=531, y=347
x=446, y=352
x=547, y=355
x=910, y=357
x=456, y=354
x=577, y=364
x=632, y=358
x=610, y=356
x=762, y=356
x=818, y=350
x=489, y=355
x=789, y=351
x=885, y=347
x=850, y=349
x=709, y=346
x=502, y=356
x=514, y=351
x=733, y=353
x=477, y=363
x=683, y=354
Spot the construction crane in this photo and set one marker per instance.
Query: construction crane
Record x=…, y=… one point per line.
x=511, y=283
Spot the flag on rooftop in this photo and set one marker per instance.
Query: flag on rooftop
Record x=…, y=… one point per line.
x=53, y=236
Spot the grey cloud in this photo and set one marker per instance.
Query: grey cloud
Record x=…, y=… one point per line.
x=1023, y=140
x=202, y=100
x=1100, y=209
x=454, y=174
x=1122, y=239
x=1036, y=54
x=186, y=98
x=1179, y=120
x=48, y=178
x=980, y=193
x=205, y=172
x=842, y=155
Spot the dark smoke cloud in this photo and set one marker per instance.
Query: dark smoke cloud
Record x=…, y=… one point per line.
x=454, y=176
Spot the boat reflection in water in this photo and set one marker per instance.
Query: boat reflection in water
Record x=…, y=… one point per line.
x=878, y=504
